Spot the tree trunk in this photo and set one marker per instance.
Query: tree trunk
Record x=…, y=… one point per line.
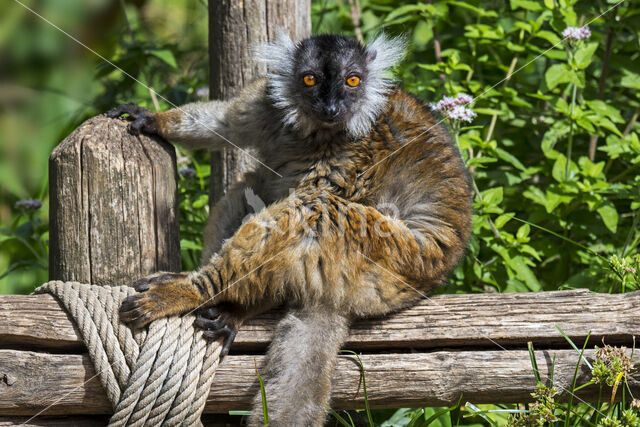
x=235, y=26
x=113, y=205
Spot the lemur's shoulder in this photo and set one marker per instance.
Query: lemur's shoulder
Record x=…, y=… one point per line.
x=407, y=108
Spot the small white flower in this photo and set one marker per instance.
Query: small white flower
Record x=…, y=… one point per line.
x=463, y=99
x=576, y=33
x=462, y=113
x=445, y=104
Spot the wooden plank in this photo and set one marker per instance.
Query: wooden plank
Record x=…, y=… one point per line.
x=208, y=420
x=469, y=320
x=66, y=384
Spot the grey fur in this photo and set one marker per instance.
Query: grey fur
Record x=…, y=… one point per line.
x=300, y=365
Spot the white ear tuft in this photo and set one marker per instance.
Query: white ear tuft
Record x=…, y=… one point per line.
x=385, y=52
x=277, y=55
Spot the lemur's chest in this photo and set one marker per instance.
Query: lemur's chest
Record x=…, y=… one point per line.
x=334, y=168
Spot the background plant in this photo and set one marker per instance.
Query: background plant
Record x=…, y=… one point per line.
x=554, y=149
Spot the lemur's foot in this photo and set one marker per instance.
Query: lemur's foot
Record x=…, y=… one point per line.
x=142, y=120
x=221, y=321
x=160, y=295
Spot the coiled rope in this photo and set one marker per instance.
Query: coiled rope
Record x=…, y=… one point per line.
x=157, y=377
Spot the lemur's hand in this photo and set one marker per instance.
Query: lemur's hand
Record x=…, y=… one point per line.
x=221, y=321
x=142, y=120
x=160, y=295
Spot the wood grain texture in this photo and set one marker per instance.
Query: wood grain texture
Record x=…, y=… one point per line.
x=113, y=214
x=469, y=320
x=235, y=28
x=66, y=384
x=208, y=420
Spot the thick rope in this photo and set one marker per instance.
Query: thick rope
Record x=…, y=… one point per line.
x=159, y=377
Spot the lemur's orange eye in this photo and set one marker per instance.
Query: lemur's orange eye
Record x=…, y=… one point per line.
x=353, y=81
x=310, y=80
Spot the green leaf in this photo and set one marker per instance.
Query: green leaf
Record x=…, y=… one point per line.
x=166, y=55
x=477, y=10
x=609, y=216
x=558, y=74
x=201, y=201
x=533, y=6
x=492, y=196
x=503, y=219
x=190, y=244
x=584, y=54
x=630, y=80
x=549, y=36
x=509, y=158
x=559, y=170
x=523, y=233
x=524, y=273
x=605, y=109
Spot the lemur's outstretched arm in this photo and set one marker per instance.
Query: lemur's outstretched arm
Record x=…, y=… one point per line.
x=212, y=125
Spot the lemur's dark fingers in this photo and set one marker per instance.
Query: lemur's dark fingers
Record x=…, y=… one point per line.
x=142, y=124
x=211, y=313
x=133, y=312
x=141, y=119
x=227, y=343
x=228, y=334
x=144, y=284
x=209, y=325
x=131, y=109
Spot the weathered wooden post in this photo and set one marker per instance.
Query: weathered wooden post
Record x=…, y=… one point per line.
x=234, y=28
x=113, y=197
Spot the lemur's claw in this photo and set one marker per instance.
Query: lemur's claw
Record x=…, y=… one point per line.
x=141, y=118
x=157, y=297
x=142, y=285
x=218, y=323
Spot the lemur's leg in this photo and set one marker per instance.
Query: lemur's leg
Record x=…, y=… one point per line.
x=299, y=366
x=314, y=248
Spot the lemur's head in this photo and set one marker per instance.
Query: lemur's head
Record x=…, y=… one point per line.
x=330, y=81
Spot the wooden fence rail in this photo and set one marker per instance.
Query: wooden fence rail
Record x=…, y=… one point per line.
x=448, y=345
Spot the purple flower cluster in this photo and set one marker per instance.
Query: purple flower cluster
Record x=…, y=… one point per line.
x=576, y=33
x=28, y=205
x=203, y=91
x=183, y=161
x=455, y=108
x=187, y=172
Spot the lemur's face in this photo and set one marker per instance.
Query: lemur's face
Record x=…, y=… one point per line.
x=330, y=73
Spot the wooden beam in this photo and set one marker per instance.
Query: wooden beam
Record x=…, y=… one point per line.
x=469, y=320
x=66, y=383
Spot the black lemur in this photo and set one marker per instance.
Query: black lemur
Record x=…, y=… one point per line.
x=380, y=208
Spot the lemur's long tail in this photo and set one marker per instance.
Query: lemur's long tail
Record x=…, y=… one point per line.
x=300, y=365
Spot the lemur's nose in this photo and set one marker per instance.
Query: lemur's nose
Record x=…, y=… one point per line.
x=332, y=110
